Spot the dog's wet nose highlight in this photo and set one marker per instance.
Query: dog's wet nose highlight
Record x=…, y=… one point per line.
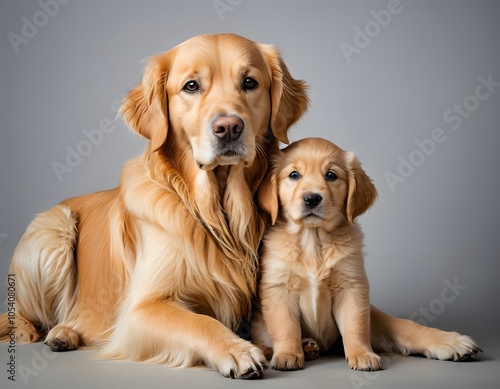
x=228, y=127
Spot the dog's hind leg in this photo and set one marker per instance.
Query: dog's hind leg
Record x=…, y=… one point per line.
x=16, y=327
x=43, y=274
x=393, y=335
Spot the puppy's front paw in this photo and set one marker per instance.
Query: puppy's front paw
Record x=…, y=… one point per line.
x=364, y=361
x=287, y=361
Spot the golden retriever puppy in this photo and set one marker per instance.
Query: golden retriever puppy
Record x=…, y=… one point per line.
x=314, y=287
x=163, y=268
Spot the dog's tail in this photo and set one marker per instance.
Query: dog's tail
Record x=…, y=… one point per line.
x=42, y=276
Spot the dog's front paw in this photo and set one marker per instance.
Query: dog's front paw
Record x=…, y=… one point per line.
x=243, y=361
x=364, y=361
x=288, y=361
x=453, y=347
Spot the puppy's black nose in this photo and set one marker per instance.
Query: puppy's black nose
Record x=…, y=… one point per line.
x=312, y=200
x=228, y=127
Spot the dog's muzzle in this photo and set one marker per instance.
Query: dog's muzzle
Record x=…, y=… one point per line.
x=227, y=130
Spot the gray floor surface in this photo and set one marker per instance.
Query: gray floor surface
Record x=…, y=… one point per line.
x=37, y=367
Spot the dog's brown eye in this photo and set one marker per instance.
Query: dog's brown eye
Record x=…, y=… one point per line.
x=330, y=176
x=249, y=83
x=191, y=86
x=294, y=175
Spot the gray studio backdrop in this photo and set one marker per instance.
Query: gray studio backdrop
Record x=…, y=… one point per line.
x=413, y=87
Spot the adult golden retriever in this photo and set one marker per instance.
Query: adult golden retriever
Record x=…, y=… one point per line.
x=163, y=268
x=314, y=286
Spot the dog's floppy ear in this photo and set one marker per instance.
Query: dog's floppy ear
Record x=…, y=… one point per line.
x=289, y=99
x=267, y=195
x=145, y=108
x=362, y=193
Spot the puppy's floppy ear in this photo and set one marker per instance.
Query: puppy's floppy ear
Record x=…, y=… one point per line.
x=289, y=100
x=267, y=195
x=361, y=193
x=145, y=108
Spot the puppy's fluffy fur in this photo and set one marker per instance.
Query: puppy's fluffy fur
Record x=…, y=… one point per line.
x=314, y=287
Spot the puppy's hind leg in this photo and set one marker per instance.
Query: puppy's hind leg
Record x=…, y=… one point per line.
x=393, y=335
x=310, y=348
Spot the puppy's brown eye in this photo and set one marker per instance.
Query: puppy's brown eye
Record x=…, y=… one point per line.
x=191, y=87
x=330, y=176
x=249, y=84
x=294, y=175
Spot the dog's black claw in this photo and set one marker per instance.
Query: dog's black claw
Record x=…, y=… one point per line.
x=248, y=375
x=470, y=355
x=57, y=345
x=252, y=375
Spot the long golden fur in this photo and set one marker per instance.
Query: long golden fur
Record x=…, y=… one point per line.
x=314, y=288
x=163, y=268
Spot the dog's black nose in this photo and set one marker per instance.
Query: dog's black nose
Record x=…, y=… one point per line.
x=228, y=127
x=312, y=200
